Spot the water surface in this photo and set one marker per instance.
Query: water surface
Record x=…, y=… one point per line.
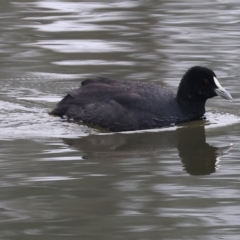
x=62, y=180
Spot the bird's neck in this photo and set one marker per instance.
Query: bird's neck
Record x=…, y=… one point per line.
x=192, y=108
x=189, y=101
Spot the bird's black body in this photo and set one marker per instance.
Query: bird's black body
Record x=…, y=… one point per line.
x=131, y=105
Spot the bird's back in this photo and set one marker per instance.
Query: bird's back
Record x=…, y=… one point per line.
x=119, y=105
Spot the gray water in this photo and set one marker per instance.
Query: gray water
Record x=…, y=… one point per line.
x=62, y=180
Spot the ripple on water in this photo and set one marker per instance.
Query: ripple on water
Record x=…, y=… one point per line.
x=22, y=121
x=216, y=120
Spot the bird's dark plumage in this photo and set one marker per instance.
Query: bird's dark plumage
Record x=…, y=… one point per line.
x=131, y=105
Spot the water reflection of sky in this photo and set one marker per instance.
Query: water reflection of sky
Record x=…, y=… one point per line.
x=59, y=177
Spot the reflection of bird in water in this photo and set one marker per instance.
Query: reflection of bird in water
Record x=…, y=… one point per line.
x=198, y=157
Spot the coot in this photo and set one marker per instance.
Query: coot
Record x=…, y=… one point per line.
x=132, y=105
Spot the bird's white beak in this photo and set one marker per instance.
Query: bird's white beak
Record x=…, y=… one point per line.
x=222, y=92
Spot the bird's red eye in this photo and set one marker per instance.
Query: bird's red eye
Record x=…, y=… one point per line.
x=206, y=81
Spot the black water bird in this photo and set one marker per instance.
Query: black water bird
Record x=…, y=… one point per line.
x=132, y=105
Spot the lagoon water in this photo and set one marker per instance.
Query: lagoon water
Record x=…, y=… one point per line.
x=62, y=180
